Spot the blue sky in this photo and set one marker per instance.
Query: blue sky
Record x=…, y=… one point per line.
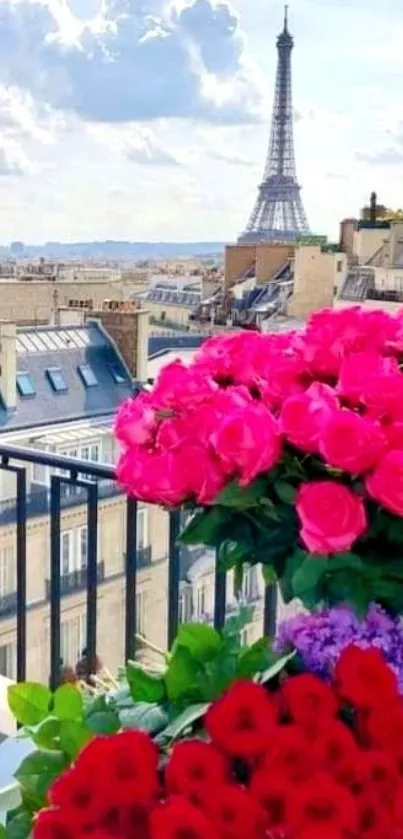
x=148, y=119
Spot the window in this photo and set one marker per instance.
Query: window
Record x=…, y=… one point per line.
x=8, y=661
x=66, y=553
x=339, y=266
x=88, y=376
x=83, y=546
x=8, y=571
x=141, y=598
x=90, y=452
x=142, y=528
x=24, y=385
x=247, y=584
x=201, y=600
x=73, y=635
x=56, y=379
x=118, y=374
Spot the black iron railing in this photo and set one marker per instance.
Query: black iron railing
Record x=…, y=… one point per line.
x=85, y=480
x=8, y=604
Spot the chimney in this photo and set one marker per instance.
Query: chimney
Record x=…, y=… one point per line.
x=8, y=365
x=129, y=329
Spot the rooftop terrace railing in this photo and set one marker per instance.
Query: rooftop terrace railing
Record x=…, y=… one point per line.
x=87, y=479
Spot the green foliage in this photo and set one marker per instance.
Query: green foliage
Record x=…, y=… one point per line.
x=29, y=702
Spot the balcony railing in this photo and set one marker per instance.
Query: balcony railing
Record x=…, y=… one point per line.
x=75, y=580
x=88, y=479
x=38, y=499
x=8, y=604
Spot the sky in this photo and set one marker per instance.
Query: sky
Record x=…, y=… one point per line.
x=149, y=119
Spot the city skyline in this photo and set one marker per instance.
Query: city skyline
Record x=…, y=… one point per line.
x=149, y=120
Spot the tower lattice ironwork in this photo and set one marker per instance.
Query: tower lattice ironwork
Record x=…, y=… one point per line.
x=278, y=214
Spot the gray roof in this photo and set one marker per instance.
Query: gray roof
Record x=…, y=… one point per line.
x=66, y=348
x=164, y=343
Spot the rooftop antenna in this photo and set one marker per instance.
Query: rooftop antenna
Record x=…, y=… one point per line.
x=372, y=207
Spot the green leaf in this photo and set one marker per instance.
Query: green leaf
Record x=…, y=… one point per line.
x=29, y=702
x=144, y=687
x=74, y=736
x=46, y=734
x=254, y=659
x=232, y=554
x=344, y=562
x=37, y=772
x=291, y=565
x=20, y=827
x=242, y=498
x=68, y=703
x=285, y=491
x=205, y=527
x=103, y=722
x=276, y=668
x=145, y=716
x=307, y=578
x=181, y=677
x=185, y=720
x=3, y=833
x=201, y=640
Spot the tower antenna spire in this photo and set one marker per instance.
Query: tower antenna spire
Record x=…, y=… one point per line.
x=278, y=214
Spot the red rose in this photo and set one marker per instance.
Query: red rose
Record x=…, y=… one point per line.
x=364, y=679
x=234, y=812
x=335, y=747
x=192, y=765
x=374, y=821
x=178, y=818
x=54, y=824
x=241, y=722
x=85, y=797
x=332, y=516
x=351, y=442
x=274, y=793
x=384, y=728
x=385, y=484
x=130, y=821
x=309, y=701
x=289, y=753
x=380, y=773
x=322, y=802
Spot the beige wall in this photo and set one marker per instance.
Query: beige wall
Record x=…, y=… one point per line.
x=266, y=259
x=367, y=241
x=314, y=280
x=32, y=302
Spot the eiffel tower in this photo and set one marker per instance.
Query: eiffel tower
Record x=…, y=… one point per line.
x=278, y=214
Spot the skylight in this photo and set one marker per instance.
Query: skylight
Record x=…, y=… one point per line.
x=118, y=375
x=56, y=379
x=88, y=376
x=24, y=385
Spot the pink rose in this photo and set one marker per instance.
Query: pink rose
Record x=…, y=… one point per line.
x=332, y=517
x=385, y=484
x=171, y=478
x=303, y=415
x=136, y=421
x=383, y=395
x=361, y=375
x=247, y=442
x=351, y=442
x=198, y=425
x=179, y=388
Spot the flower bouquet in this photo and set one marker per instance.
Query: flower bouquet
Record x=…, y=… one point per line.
x=297, y=759
x=288, y=447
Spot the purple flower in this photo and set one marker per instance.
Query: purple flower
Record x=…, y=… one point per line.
x=320, y=637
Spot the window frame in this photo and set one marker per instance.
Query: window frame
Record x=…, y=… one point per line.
x=84, y=371
x=23, y=374
x=52, y=373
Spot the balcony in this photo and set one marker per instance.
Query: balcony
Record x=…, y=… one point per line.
x=38, y=499
x=82, y=483
x=75, y=580
x=8, y=604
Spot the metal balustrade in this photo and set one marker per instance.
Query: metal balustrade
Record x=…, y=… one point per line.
x=79, y=481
